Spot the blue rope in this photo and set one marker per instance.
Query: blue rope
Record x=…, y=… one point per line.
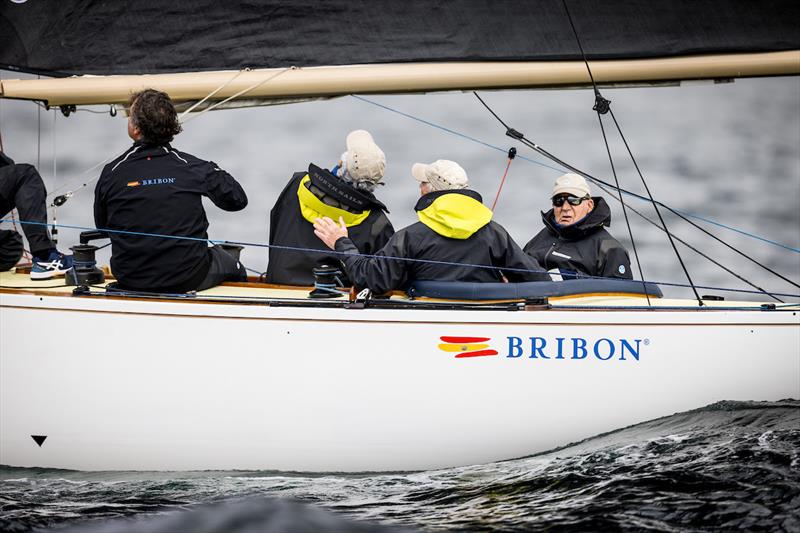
x=375, y=256
x=458, y=134
x=557, y=169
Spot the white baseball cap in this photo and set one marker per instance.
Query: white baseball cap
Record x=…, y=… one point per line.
x=441, y=174
x=364, y=160
x=573, y=184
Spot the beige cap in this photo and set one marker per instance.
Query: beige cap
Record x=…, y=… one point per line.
x=571, y=184
x=441, y=174
x=365, y=161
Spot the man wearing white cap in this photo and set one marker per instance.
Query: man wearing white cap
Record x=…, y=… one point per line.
x=344, y=192
x=455, y=239
x=574, y=241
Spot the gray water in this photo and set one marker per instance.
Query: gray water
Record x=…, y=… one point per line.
x=727, y=466
x=728, y=152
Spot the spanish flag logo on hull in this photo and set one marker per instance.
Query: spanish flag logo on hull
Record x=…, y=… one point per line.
x=467, y=346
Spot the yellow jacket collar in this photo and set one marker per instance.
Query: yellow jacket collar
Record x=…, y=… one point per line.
x=455, y=215
x=313, y=208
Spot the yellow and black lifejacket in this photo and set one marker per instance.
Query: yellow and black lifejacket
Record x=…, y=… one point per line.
x=311, y=195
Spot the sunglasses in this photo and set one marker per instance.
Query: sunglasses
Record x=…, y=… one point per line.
x=558, y=201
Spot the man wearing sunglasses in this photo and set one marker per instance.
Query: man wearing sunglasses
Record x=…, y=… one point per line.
x=574, y=242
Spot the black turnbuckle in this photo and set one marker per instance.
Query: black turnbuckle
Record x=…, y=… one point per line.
x=601, y=105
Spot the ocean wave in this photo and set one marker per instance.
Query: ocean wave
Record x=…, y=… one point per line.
x=728, y=465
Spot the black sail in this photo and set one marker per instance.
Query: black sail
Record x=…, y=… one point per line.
x=151, y=37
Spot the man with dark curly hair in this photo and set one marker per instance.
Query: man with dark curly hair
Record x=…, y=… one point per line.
x=150, y=197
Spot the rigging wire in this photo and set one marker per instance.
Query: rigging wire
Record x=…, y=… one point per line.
x=112, y=109
x=60, y=199
x=596, y=180
x=38, y=134
x=454, y=132
x=511, y=132
x=212, y=93
x=622, y=203
x=243, y=91
x=54, y=227
x=694, y=249
x=375, y=256
x=68, y=194
x=636, y=165
x=601, y=107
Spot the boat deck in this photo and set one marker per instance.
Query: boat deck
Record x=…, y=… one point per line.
x=255, y=292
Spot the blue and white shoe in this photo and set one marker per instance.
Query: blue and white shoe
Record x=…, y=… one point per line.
x=57, y=264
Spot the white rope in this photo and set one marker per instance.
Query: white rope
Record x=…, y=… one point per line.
x=55, y=148
x=243, y=91
x=215, y=91
x=70, y=193
x=38, y=134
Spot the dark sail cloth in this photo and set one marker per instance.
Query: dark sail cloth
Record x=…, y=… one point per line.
x=310, y=195
x=22, y=188
x=584, y=247
x=456, y=232
x=156, y=189
x=82, y=37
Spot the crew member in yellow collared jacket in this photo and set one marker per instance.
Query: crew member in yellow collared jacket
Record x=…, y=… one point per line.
x=455, y=232
x=345, y=192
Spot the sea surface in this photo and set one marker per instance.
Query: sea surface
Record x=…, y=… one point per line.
x=727, y=466
x=728, y=153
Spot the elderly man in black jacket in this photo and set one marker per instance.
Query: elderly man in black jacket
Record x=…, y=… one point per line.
x=574, y=241
x=347, y=191
x=454, y=240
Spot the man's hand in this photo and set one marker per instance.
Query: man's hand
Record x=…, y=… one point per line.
x=329, y=231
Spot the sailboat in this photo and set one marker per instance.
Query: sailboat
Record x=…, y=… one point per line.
x=437, y=375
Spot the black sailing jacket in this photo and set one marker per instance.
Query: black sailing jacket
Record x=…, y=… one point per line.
x=456, y=232
x=584, y=247
x=157, y=189
x=291, y=225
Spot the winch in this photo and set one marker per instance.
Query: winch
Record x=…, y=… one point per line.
x=85, y=270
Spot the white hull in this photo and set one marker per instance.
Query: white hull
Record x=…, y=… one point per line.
x=163, y=385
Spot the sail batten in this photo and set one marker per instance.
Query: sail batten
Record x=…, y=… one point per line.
x=316, y=82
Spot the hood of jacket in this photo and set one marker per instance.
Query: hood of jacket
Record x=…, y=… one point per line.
x=599, y=217
x=456, y=214
x=313, y=208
